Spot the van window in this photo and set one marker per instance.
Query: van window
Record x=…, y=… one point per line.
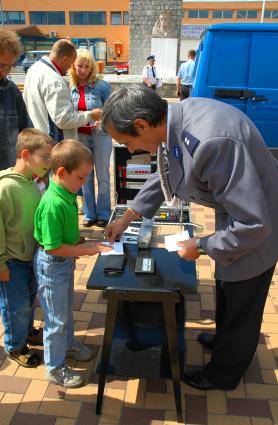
x=264, y=61
x=227, y=51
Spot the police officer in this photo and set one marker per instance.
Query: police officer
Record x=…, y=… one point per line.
x=184, y=77
x=149, y=73
x=216, y=158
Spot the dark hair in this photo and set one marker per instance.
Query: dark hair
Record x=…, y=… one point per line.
x=126, y=105
x=70, y=154
x=32, y=140
x=192, y=53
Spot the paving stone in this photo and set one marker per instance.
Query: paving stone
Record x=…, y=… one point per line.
x=253, y=373
x=8, y=407
x=54, y=407
x=78, y=300
x=27, y=419
x=196, y=409
x=87, y=415
x=135, y=392
x=141, y=416
x=249, y=407
x=156, y=386
x=12, y=384
x=228, y=420
x=33, y=396
x=216, y=402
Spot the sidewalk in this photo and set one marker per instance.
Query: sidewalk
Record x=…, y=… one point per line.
x=26, y=398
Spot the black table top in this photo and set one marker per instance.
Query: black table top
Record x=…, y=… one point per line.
x=171, y=272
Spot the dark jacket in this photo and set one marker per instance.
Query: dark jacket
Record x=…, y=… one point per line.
x=13, y=119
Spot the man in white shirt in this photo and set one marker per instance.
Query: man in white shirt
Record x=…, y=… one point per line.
x=184, y=77
x=149, y=73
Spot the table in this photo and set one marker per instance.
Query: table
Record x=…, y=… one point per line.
x=144, y=298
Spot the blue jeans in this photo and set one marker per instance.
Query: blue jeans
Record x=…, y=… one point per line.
x=55, y=277
x=101, y=147
x=17, y=297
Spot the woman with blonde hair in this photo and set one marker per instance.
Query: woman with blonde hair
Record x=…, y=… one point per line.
x=88, y=92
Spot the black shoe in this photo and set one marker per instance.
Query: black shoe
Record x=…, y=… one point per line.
x=207, y=340
x=102, y=223
x=198, y=380
x=89, y=223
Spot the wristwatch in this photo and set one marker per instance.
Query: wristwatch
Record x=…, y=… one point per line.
x=200, y=250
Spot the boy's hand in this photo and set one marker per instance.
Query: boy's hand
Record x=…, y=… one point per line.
x=98, y=247
x=5, y=275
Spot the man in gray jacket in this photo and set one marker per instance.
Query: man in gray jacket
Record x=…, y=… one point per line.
x=215, y=157
x=13, y=114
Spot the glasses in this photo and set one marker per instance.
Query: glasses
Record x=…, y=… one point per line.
x=46, y=158
x=4, y=67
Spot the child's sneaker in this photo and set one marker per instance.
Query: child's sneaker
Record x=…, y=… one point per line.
x=80, y=352
x=65, y=376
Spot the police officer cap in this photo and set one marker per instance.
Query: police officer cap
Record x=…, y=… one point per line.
x=151, y=57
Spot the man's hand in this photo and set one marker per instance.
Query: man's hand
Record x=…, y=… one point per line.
x=96, y=114
x=178, y=92
x=188, y=250
x=5, y=275
x=114, y=230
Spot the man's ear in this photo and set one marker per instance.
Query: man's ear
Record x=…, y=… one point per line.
x=141, y=125
x=60, y=172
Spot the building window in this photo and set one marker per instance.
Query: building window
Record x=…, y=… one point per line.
x=126, y=18
x=47, y=18
x=271, y=14
x=222, y=14
x=247, y=14
x=14, y=18
x=116, y=18
x=198, y=14
x=88, y=18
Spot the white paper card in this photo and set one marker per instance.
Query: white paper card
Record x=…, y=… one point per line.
x=117, y=248
x=132, y=230
x=129, y=239
x=171, y=240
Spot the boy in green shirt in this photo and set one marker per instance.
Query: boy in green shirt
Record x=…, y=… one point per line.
x=19, y=198
x=57, y=232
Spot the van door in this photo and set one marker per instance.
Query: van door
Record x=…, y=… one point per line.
x=262, y=108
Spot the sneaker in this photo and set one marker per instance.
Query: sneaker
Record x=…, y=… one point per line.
x=36, y=337
x=65, y=376
x=80, y=352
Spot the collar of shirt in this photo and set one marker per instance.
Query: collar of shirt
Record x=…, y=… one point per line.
x=168, y=126
x=65, y=194
x=58, y=68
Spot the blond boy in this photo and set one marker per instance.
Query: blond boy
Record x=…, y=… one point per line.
x=19, y=198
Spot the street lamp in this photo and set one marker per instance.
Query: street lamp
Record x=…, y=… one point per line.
x=263, y=8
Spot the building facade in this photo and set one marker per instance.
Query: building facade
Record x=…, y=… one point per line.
x=104, y=26
x=101, y=26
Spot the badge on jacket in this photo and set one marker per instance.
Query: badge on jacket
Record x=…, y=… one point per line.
x=177, y=152
x=190, y=141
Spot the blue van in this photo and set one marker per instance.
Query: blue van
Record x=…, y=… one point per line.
x=238, y=64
